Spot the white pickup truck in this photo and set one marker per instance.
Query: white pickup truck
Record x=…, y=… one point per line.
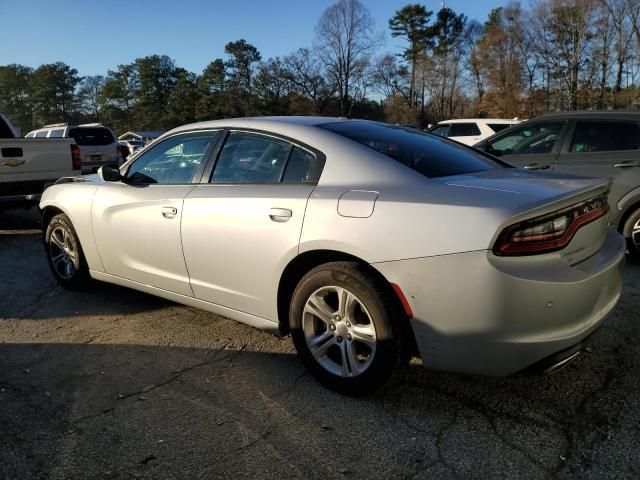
x=29, y=165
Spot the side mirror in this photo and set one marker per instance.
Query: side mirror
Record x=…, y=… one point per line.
x=110, y=174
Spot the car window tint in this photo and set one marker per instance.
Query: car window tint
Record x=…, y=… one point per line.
x=92, y=136
x=251, y=158
x=497, y=127
x=463, y=130
x=440, y=130
x=427, y=154
x=57, y=133
x=601, y=136
x=299, y=167
x=174, y=160
x=533, y=138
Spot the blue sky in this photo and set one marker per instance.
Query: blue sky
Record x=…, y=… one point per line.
x=93, y=35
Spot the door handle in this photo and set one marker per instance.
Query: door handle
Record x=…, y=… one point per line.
x=628, y=164
x=169, y=212
x=280, y=214
x=536, y=166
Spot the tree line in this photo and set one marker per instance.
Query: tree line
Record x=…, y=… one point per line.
x=522, y=61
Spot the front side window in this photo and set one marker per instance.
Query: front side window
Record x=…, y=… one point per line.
x=172, y=161
x=42, y=134
x=600, y=136
x=464, y=130
x=251, y=158
x=427, y=154
x=440, y=130
x=57, y=133
x=538, y=137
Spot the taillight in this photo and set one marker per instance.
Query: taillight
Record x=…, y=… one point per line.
x=550, y=232
x=76, y=158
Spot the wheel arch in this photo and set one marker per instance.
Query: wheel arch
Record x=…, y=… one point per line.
x=304, y=262
x=629, y=210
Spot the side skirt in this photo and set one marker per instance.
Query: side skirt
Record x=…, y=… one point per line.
x=242, y=317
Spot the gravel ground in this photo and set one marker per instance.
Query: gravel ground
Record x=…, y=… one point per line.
x=113, y=383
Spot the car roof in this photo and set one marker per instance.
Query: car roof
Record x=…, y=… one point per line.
x=481, y=120
x=607, y=114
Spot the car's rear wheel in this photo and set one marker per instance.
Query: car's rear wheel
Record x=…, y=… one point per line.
x=343, y=324
x=64, y=253
x=631, y=232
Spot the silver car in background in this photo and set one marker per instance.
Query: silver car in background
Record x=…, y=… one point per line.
x=367, y=242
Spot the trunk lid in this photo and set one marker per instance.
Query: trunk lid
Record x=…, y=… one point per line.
x=527, y=195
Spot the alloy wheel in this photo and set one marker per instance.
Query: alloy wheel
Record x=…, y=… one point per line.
x=339, y=331
x=63, y=254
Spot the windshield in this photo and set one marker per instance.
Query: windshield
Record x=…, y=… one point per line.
x=427, y=154
x=93, y=136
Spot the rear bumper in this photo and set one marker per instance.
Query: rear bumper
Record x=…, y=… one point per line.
x=480, y=314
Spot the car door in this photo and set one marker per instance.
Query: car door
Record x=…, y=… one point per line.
x=136, y=221
x=242, y=227
x=533, y=145
x=604, y=149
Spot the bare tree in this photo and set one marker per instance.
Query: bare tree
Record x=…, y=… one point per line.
x=345, y=38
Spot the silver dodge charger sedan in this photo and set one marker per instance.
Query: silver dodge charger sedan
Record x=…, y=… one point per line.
x=367, y=242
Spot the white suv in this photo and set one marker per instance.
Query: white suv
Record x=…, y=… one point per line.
x=471, y=130
x=97, y=146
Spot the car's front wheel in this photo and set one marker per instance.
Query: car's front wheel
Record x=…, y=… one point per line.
x=64, y=253
x=344, y=326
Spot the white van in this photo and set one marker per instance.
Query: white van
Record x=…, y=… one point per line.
x=97, y=145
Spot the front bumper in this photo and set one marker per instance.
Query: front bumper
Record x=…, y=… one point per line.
x=481, y=314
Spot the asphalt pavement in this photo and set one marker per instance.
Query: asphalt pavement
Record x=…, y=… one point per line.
x=113, y=383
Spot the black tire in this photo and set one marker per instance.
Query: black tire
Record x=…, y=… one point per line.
x=77, y=276
x=371, y=293
x=628, y=231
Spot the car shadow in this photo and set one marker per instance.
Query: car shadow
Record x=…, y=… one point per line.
x=130, y=410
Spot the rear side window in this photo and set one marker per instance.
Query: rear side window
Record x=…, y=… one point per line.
x=600, y=136
x=463, y=130
x=251, y=158
x=57, y=133
x=539, y=137
x=299, y=167
x=497, y=127
x=92, y=136
x=427, y=154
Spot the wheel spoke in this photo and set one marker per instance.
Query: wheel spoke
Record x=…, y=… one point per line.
x=354, y=363
x=317, y=307
x=58, y=259
x=320, y=348
x=57, y=241
x=346, y=367
x=345, y=299
x=364, y=334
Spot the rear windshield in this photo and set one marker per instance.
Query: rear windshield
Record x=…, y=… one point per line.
x=93, y=136
x=428, y=154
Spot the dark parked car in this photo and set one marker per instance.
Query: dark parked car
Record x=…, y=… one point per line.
x=594, y=144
